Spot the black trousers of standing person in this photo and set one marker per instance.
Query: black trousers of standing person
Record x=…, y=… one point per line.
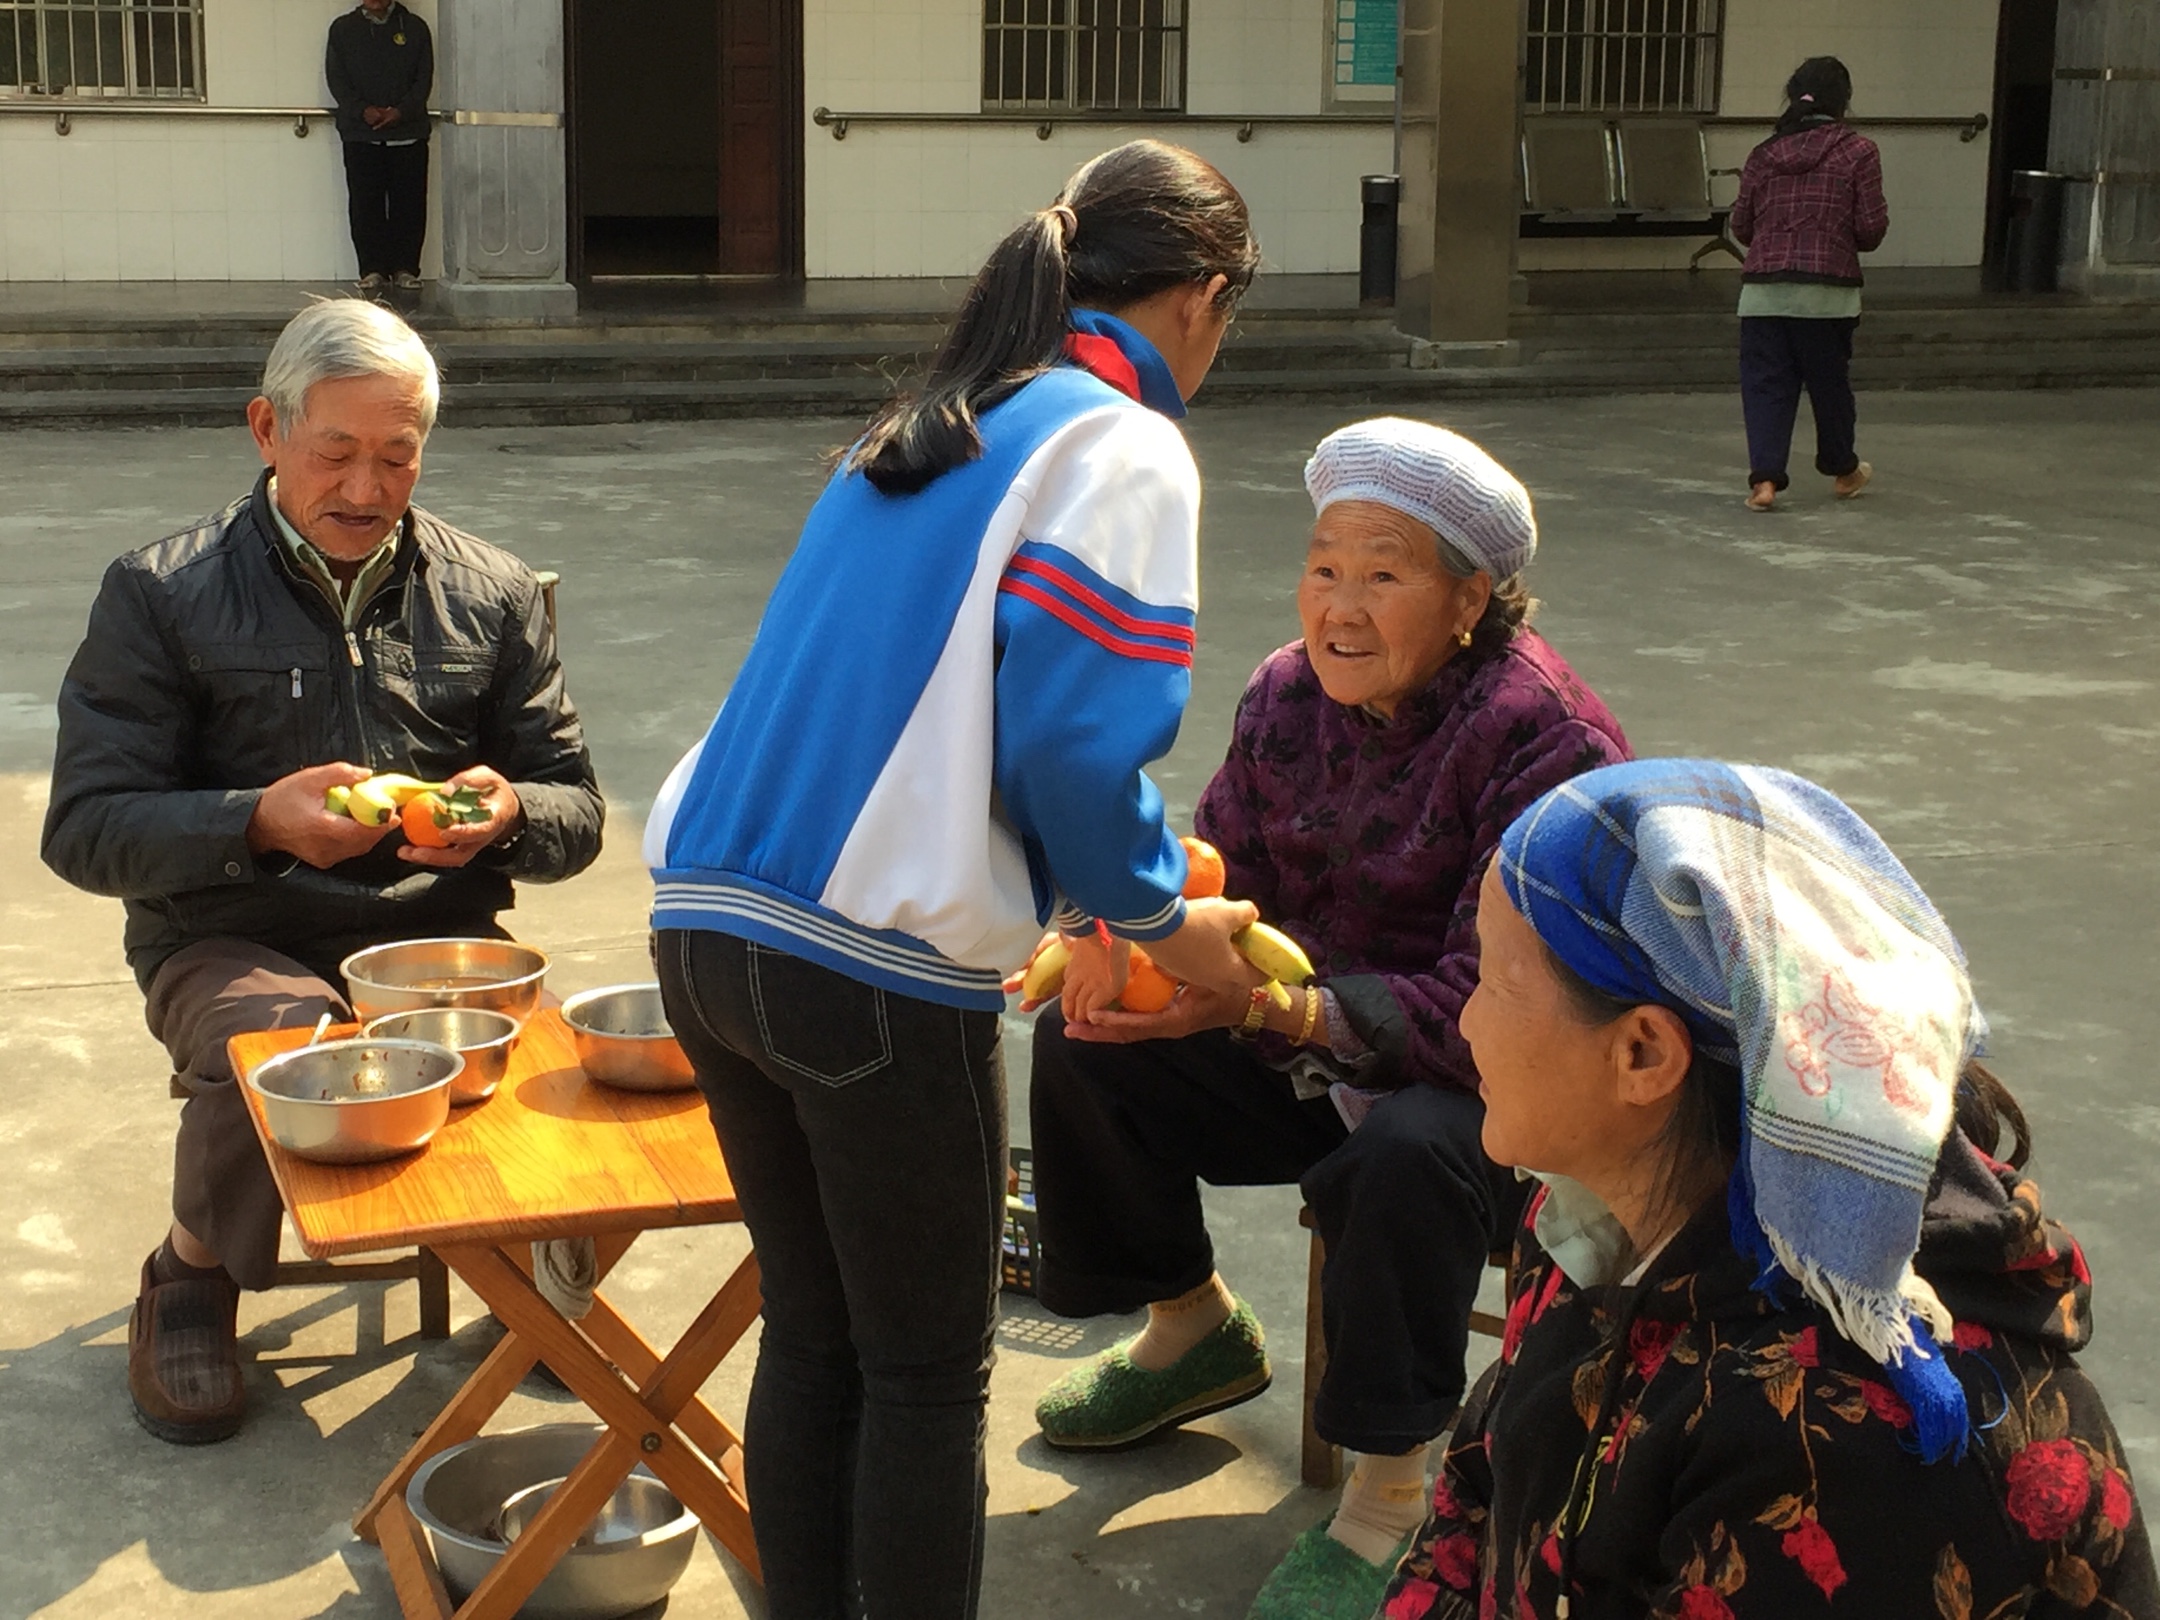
x=1779, y=356
x=1407, y=1204
x=386, y=197
x=865, y=1133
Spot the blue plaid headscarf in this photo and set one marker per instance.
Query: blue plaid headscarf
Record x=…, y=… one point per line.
x=1795, y=947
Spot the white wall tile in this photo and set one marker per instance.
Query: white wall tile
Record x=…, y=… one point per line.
x=145, y=246
x=33, y=245
x=90, y=246
x=201, y=246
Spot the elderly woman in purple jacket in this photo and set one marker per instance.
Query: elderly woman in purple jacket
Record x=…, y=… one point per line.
x=1372, y=768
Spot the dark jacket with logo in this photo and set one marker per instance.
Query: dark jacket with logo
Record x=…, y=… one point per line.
x=212, y=667
x=380, y=64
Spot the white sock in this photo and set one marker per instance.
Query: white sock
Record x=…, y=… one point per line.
x=1384, y=1501
x=1174, y=1326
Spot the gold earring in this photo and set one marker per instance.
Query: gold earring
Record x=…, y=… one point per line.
x=1463, y=639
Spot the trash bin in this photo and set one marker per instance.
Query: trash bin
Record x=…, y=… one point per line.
x=2032, y=245
x=1381, y=195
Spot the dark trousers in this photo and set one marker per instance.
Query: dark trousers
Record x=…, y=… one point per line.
x=386, y=196
x=1408, y=1205
x=1779, y=356
x=200, y=998
x=865, y=1132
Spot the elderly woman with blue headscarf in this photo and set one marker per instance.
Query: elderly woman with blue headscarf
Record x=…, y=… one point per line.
x=1787, y=1334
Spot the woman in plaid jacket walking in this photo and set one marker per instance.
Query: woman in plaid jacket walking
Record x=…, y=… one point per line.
x=1811, y=202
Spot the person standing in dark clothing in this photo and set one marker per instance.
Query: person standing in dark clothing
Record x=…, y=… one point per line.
x=381, y=66
x=1810, y=203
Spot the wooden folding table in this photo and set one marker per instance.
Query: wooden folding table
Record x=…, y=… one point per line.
x=551, y=1154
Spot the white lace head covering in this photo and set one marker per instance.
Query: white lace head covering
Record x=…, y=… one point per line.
x=1440, y=478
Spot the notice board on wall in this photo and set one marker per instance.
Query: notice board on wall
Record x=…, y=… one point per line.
x=1362, y=64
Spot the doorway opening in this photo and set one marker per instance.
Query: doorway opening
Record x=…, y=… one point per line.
x=685, y=138
x=2024, y=98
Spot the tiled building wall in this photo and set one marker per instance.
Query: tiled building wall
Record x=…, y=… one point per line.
x=190, y=198
x=1909, y=58
x=931, y=200
x=203, y=198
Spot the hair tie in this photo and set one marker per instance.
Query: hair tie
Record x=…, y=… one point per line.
x=1807, y=97
x=1068, y=223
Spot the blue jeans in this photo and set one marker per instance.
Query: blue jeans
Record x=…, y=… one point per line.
x=1779, y=356
x=865, y=1132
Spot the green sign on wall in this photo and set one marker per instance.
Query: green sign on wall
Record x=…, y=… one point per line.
x=1365, y=42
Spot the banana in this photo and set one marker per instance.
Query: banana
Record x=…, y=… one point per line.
x=1274, y=953
x=371, y=803
x=1046, y=974
x=375, y=801
x=1278, y=995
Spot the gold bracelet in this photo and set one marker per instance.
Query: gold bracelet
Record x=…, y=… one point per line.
x=1312, y=1015
x=1255, y=1015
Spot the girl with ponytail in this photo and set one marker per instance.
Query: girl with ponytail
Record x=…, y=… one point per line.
x=935, y=749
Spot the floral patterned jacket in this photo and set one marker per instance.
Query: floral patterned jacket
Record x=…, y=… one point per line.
x=1755, y=1464
x=1365, y=839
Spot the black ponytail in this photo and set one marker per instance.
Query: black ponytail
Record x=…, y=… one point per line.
x=1820, y=88
x=1141, y=218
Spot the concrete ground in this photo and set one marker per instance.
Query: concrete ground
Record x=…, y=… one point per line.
x=1969, y=654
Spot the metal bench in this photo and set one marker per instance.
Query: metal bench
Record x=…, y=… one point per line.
x=1621, y=177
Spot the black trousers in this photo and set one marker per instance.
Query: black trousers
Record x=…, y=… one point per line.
x=386, y=196
x=865, y=1132
x=1408, y=1205
x=1779, y=356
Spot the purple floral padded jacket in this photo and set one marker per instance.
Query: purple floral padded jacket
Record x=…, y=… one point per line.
x=1365, y=839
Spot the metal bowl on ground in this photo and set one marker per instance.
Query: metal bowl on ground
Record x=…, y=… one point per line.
x=499, y=975
x=459, y=1497
x=356, y=1101
x=641, y=1506
x=623, y=1039
x=482, y=1038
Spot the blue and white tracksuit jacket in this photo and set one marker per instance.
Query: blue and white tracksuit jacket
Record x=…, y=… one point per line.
x=936, y=743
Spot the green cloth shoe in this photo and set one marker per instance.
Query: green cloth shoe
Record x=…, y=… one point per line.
x=1110, y=1402
x=1321, y=1579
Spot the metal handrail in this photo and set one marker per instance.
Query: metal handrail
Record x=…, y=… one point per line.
x=1970, y=128
x=1045, y=123
x=62, y=112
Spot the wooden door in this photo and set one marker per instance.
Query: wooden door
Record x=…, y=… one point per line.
x=761, y=137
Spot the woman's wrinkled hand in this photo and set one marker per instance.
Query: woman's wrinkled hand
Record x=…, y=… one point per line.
x=1195, y=1009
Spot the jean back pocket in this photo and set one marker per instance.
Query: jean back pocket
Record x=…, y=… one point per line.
x=816, y=1022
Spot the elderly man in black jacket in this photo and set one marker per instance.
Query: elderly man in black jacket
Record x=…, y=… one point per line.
x=380, y=64
x=319, y=629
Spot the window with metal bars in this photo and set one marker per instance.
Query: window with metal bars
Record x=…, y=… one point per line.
x=121, y=48
x=1084, y=55
x=1622, y=56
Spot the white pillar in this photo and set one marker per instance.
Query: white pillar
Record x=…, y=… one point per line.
x=499, y=76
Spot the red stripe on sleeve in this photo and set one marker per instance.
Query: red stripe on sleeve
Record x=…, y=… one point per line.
x=1067, y=614
x=1093, y=599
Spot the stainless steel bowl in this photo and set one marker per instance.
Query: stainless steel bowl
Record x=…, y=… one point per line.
x=459, y=1496
x=499, y=975
x=623, y=1039
x=641, y=1506
x=482, y=1038
x=356, y=1101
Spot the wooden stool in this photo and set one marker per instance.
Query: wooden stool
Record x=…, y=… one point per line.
x=1319, y=1463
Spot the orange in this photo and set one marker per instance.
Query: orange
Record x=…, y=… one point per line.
x=425, y=818
x=1147, y=987
x=1204, y=873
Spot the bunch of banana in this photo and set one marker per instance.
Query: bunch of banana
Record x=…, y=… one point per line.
x=375, y=801
x=1046, y=974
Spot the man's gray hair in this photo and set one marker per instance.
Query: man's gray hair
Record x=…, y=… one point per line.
x=345, y=337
